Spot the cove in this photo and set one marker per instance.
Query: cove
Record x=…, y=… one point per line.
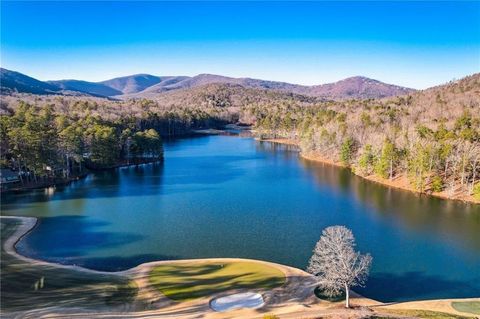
x=231, y=196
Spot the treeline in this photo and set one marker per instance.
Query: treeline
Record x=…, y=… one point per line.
x=41, y=144
x=52, y=136
x=431, y=137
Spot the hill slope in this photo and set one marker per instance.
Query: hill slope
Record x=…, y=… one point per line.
x=132, y=83
x=12, y=81
x=358, y=87
x=92, y=88
x=149, y=86
x=354, y=87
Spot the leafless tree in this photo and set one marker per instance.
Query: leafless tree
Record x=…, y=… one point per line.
x=336, y=264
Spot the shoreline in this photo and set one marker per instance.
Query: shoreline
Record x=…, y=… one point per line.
x=294, y=299
x=298, y=284
x=65, y=182
x=399, y=182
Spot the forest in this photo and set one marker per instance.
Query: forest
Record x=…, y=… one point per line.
x=431, y=138
x=47, y=138
x=44, y=146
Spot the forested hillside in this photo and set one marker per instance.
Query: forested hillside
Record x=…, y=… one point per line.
x=51, y=136
x=45, y=145
x=429, y=140
x=150, y=86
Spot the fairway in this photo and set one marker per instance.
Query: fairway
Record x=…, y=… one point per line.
x=472, y=307
x=190, y=281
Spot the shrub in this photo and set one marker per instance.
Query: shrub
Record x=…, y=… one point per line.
x=476, y=191
x=366, y=160
x=347, y=150
x=437, y=183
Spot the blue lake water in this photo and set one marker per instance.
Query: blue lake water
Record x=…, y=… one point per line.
x=230, y=196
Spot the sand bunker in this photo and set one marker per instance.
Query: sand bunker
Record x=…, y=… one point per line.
x=242, y=300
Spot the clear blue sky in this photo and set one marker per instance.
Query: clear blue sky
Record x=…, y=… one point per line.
x=416, y=44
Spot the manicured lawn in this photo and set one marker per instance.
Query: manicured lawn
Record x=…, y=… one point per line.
x=467, y=306
x=27, y=286
x=423, y=314
x=185, y=282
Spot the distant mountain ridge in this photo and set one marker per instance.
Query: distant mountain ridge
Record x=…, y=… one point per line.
x=133, y=83
x=91, y=88
x=148, y=86
x=11, y=81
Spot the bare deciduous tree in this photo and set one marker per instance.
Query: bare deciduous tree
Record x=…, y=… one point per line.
x=336, y=264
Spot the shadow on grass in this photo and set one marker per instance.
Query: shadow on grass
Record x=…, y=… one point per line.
x=26, y=286
x=181, y=282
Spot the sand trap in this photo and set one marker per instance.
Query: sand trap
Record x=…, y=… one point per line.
x=242, y=300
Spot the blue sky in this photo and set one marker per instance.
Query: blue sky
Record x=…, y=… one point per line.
x=416, y=44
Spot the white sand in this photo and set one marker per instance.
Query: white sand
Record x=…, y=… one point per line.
x=250, y=300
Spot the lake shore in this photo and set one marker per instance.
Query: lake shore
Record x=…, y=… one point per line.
x=65, y=181
x=292, y=300
x=400, y=181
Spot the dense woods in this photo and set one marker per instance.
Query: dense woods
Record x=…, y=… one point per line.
x=430, y=139
x=42, y=145
x=52, y=137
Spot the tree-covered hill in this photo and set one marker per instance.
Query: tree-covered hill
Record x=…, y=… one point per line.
x=430, y=138
x=149, y=86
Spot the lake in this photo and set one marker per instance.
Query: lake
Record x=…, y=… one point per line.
x=230, y=196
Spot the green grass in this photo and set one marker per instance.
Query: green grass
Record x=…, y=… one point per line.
x=185, y=282
x=27, y=286
x=423, y=314
x=472, y=307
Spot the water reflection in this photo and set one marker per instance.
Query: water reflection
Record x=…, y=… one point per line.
x=454, y=220
x=224, y=196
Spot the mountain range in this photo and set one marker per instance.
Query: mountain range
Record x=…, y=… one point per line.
x=150, y=86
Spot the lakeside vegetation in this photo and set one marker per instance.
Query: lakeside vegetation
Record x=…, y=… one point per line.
x=429, y=139
x=44, y=146
x=54, y=138
x=432, y=137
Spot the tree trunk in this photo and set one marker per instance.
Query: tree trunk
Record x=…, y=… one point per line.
x=347, y=297
x=474, y=176
x=391, y=168
x=446, y=168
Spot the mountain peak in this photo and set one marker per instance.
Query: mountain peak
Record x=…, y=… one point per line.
x=359, y=87
x=132, y=83
x=147, y=85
